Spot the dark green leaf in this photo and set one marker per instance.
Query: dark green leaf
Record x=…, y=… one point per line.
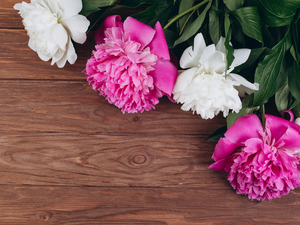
x=268, y=73
x=233, y=4
x=248, y=20
x=194, y=27
x=232, y=117
x=277, y=13
x=214, y=26
x=102, y=3
x=170, y=37
x=184, y=5
x=136, y=3
x=158, y=12
x=293, y=103
x=217, y=134
x=88, y=8
x=282, y=98
x=97, y=16
x=228, y=47
x=296, y=110
x=294, y=80
x=254, y=55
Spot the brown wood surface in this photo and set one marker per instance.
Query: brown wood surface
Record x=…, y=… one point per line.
x=69, y=157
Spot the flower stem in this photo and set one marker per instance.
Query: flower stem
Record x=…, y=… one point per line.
x=185, y=12
x=186, y=22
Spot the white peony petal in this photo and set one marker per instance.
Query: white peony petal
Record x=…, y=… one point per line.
x=191, y=56
x=70, y=8
x=77, y=26
x=220, y=46
x=60, y=36
x=70, y=56
x=242, y=85
x=184, y=79
x=241, y=56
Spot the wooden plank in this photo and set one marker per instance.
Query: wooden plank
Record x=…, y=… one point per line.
x=18, y=61
x=9, y=17
x=152, y=206
x=65, y=106
x=106, y=160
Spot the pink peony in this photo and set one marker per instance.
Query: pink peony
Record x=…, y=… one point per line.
x=131, y=65
x=262, y=163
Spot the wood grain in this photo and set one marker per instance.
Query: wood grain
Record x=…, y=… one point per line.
x=72, y=106
x=151, y=206
x=18, y=61
x=69, y=157
x=106, y=160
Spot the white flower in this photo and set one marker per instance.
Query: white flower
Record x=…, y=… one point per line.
x=50, y=25
x=203, y=87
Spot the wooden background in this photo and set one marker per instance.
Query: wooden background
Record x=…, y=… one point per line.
x=69, y=157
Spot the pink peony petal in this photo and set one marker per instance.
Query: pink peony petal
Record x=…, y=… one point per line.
x=223, y=149
x=158, y=45
x=109, y=22
x=279, y=126
x=245, y=127
x=138, y=31
x=219, y=165
x=164, y=76
x=290, y=141
x=290, y=114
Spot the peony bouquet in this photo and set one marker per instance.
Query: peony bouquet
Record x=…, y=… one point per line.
x=235, y=57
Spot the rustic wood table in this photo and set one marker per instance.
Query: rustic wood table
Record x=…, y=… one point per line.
x=69, y=157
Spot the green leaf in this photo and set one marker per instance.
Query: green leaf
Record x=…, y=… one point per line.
x=248, y=20
x=232, y=117
x=184, y=5
x=170, y=37
x=88, y=8
x=294, y=80
x=136, y=3
x=282, y=98
x=158, y=12
x=268, y=71
x=102, y=3
x=217, y=134
x=254, y=55
x=96, y=17
x=277, y=13
x=228, y=48
x=214, y=26
x=194, y=27
x=233, y=4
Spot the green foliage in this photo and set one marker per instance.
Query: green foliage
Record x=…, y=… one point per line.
x=158, y=12
x=268, y=72
x=195, y=26
x=246, y=109
x=233, y=4
x=217, y=134
x=277, y=13
x=91, y=6
x=248, y=20
x=136, y=3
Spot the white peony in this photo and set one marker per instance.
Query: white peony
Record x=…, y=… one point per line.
x=50, y=25
x=204, y=88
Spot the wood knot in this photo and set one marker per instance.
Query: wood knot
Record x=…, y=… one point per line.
x=139, y=158
x=45, y=216
x=136, y=119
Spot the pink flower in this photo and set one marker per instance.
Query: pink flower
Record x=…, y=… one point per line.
x=262, y=163
x=131, y=65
